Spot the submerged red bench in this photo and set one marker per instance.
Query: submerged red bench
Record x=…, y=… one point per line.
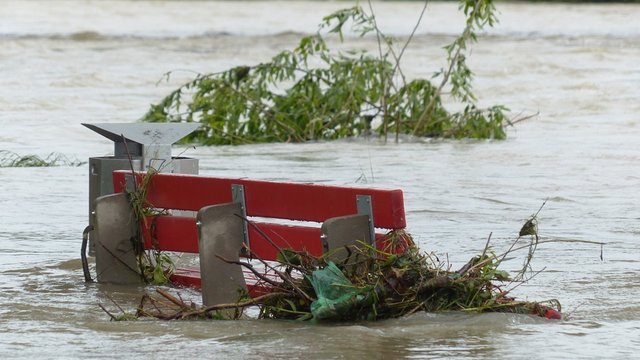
x=346, y=213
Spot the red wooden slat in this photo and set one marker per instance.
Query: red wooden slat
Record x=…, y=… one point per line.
x=172, y=233
x=296, y=201
x=177, y=233
x=190, y=277
x=180, y=234
x=298, y=238
x=187, y=277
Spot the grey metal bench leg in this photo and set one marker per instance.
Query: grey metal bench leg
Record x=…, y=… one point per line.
x=220, y=235
x=114, y=235
x=344, y=231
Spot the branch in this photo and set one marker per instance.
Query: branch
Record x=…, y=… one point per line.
x=250, y=302
x=453, y=61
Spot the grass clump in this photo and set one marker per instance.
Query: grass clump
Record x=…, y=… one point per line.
x=12, y=159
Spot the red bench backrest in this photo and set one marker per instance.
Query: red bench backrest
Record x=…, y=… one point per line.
x=263, y=199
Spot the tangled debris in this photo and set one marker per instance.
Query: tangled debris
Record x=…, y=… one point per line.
x=373, y=288
x=371, y=284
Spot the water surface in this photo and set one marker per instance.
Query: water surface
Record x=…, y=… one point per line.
x=100, y=61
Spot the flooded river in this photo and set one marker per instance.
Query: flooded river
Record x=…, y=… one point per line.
x=63, y=63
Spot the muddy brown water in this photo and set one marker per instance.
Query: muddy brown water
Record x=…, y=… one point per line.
x=99, y=61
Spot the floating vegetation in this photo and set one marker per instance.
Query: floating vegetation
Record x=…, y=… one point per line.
x=11, y=159
x=313, y=92
x=371, y=284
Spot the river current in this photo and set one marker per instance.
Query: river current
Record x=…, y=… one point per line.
x=577, y=66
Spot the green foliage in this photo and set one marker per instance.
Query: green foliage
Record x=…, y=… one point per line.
x=11, y=159
x=155, y=266
x=312, y=92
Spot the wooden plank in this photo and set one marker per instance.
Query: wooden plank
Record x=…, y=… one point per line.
x=295, y=201
x=187, y=277
x=190, y=277
x=171, y=233
x=180, y=234
x=298, y=238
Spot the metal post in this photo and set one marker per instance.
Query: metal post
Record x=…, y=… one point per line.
x=365, y=208
x=237, y=193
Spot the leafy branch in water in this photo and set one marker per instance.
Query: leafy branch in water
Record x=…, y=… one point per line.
x=478, y=15
x=313, y=92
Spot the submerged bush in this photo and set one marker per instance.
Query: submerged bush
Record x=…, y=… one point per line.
x=312, y=92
